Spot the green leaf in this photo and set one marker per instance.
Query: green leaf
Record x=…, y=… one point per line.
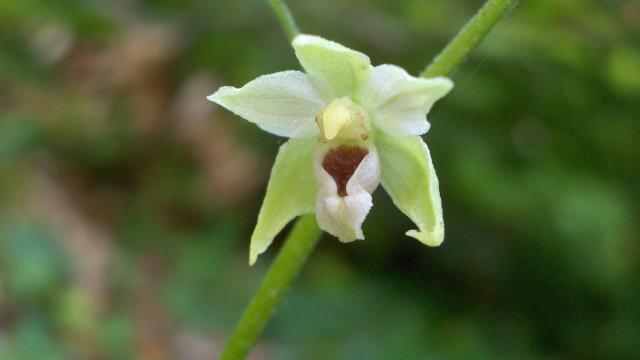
x=291, y=192
x=408, y=175
x=346, y=70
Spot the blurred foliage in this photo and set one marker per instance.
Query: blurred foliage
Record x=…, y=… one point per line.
x=127, y=200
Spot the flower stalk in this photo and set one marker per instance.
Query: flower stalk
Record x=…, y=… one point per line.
x=285, y=18
x=292, y=256
x=468, y=38
x=306, y=233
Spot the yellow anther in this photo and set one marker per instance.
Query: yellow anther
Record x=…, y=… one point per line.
x=336, y=116
x=343, y=119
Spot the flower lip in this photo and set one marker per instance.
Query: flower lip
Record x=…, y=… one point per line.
x=341, y=163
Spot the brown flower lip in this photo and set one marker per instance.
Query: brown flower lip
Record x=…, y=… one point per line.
x=341, y=163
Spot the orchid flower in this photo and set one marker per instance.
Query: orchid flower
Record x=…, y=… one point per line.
x=351, y=126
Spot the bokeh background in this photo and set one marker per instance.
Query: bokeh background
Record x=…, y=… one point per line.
x=127, y=200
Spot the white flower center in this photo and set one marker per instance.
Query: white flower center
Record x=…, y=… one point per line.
x=343, y=119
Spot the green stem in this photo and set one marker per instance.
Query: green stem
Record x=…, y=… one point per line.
x=468, y=38
x=306, y=232
x=285, y=17
x=287, y=264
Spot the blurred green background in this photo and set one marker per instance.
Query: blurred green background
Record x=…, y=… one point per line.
x=127, y=199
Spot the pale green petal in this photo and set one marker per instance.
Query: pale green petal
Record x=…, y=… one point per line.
x=408, y=175
x=400, y=102
x=283, y=103
x=346, y=70
x=291, y=192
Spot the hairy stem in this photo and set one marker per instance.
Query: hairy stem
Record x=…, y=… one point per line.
x=285, y=18
x=285, y=267
x=468, y=38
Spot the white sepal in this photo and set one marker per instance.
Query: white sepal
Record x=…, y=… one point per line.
x=344, y=69
x=400, y=102
x=284, y=103
x=291, y=192
x=409, y=177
